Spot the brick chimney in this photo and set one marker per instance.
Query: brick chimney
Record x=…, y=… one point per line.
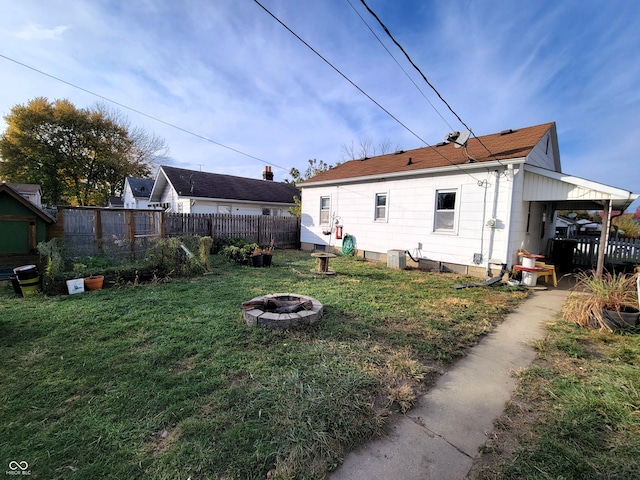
x=267, y=174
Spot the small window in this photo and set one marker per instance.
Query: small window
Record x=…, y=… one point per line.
x=266, y=211
x=325, y=206
x=445, y=210
x=224, y=209
x=381, y=207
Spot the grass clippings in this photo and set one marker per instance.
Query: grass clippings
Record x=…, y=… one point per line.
x=165, y=380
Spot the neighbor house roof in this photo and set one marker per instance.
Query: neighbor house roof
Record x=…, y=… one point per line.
x=195, y=184
x=29, y=188
x=508, y=144
x=116, y=202
x=140, y=187
x=8, y=190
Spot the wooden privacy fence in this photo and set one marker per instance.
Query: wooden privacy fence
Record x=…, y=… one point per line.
x=114, y=233
x=261, y=229
x=126, y=233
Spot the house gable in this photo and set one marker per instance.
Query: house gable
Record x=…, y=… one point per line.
x=22, y=223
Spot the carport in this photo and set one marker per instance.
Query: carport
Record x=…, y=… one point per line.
x=567, y=192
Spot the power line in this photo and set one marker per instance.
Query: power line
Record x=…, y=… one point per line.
x=339, y=72
x=362, y=91
x=398, y=63
x=184, y=130
x=384, y=27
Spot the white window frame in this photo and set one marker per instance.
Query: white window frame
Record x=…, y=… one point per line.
x=436, y=211
x=377, y=217
x=222, y=208
x=326, y=212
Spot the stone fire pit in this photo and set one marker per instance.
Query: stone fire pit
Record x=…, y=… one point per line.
x=282, y=311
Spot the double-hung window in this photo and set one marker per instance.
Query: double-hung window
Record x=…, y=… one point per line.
x=380, y=214
x=445, y=212
x=325, y=207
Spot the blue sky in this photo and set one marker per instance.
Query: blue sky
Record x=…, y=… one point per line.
x=227, y=71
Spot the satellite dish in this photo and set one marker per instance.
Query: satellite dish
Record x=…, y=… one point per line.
x=462, y=140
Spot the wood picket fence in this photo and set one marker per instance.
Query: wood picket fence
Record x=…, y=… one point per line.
x=620, y=251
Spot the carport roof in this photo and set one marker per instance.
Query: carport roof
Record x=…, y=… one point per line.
x=572, y=193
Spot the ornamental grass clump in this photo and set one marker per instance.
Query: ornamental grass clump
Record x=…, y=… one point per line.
x=594, y=294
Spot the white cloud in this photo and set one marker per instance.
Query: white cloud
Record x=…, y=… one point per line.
x=39, y=32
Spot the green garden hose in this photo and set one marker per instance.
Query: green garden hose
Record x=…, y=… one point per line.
x=347, y=245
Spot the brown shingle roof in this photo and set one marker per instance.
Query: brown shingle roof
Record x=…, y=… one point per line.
x=191, y=183
x=504, y=145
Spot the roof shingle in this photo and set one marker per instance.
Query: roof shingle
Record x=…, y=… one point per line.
x=191, y=183
x=504, y=145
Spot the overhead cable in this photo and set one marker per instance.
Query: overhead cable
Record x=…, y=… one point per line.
x=384, y=27
x=141, y=112
x=362, y=91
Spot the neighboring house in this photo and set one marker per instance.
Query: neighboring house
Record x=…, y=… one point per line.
x=22, y=223
x=190, y=191
x=115, y=202
x=566, y=227
x=463, y=209
x=30, y=191
x=137, y=192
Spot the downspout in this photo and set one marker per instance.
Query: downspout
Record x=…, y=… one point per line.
x=492, y=231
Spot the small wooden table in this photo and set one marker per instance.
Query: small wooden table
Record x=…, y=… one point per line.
x=323, y=263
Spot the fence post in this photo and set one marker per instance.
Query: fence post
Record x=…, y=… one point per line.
x=97, y=224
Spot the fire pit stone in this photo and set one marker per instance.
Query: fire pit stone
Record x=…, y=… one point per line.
x=295, y=309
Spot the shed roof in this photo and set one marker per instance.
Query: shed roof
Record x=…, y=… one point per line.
x=508, y=144
x=195, y=184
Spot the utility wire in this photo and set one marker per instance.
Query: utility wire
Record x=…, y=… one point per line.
x=339, y=72
x=140, y=112
x=384, y=27
x=399, y=65
x=363, y=92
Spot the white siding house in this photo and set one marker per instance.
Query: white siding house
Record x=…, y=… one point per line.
x=137, y=192
x=30, y=191
x=463, y=209
x=189, y=191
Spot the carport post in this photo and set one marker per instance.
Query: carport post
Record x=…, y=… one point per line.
x=604, y=237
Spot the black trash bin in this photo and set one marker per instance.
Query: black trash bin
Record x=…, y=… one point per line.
x=562, y=253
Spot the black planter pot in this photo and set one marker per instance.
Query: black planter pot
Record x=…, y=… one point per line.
x=626, y=318
x=266, y=259
x=256, y=261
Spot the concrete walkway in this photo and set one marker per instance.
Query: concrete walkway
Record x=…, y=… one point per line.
x=440, y=437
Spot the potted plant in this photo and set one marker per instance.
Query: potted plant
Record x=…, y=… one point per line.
x=267, y=254
x=608, y=302
x=256, y=259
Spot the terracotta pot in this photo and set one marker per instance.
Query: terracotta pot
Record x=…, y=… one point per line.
x=94, y=282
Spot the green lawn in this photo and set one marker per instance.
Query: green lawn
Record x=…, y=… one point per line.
x=576, y=413
x=165, y=380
